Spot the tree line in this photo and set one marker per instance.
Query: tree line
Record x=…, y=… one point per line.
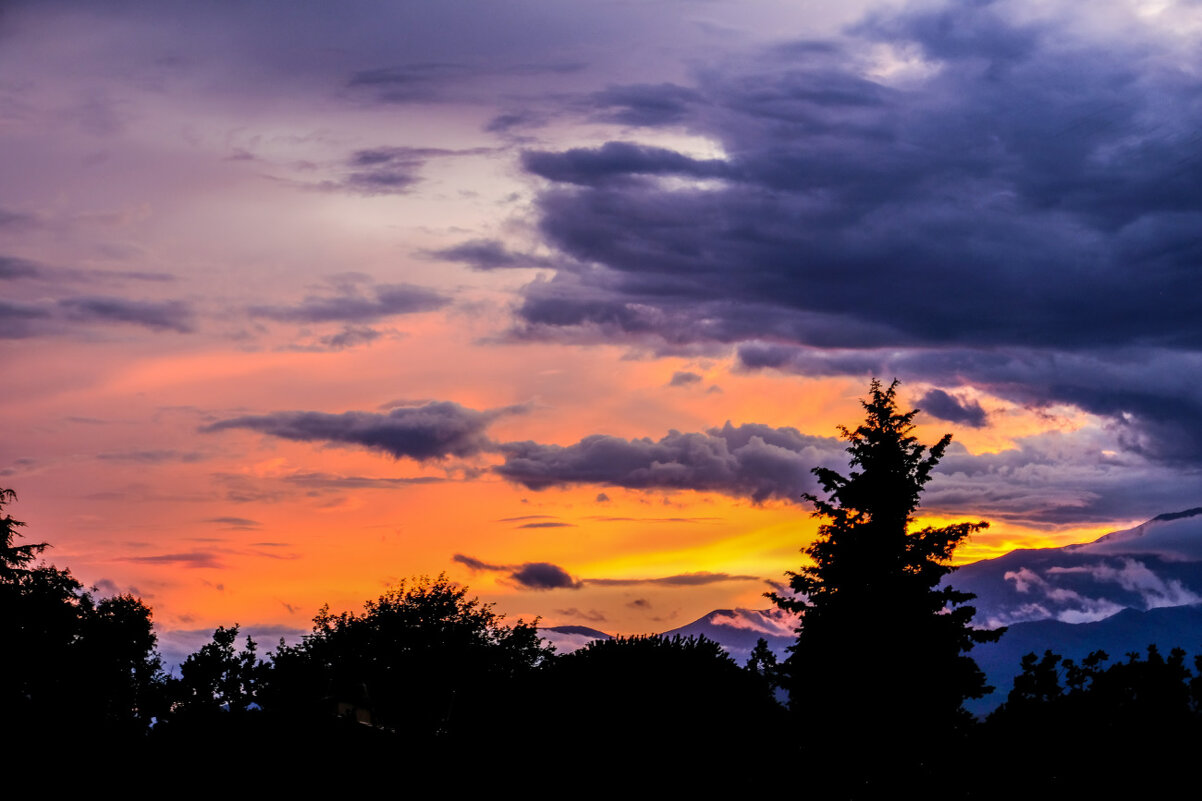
x=869, y=700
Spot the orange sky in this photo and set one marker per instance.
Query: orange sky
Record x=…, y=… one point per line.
x=237, y=526
x=211, y=215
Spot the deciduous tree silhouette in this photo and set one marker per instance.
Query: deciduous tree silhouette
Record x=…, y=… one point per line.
x=423, y=660
x=660, y=704
x=880, y=666
x=218, y=677
x=1142, y=713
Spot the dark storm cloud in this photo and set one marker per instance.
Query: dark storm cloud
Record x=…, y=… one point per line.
x=751, y=460
x=938, y=403
x=1147, y=394
x=433, y=431
x=167, y=315
x=1028, y=198
x=1053, y=480
x=382, y=301
x=618, y=160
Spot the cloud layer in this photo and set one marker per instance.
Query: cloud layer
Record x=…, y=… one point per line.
x=432, y=431
x=751, y=460
x=1008, y=200
x=546, y=576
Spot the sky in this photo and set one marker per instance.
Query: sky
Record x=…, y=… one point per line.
x=300, y=299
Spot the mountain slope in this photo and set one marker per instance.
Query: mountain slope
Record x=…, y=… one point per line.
x=1127, y=631
x=738, y=630
x=1154, y=565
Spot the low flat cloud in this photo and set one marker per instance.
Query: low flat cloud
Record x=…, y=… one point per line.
x=374, y=303
x=388, y=170
x=751, y=460
x=151, y=456
x=435, y=82
x=166, y=315
x=191, y=559
x=12, y=268
x=488, y=254
x=433, y=431
x=680, y=580
x=21, y=320
x=237, y=522
x=1046, y=481
x=546, y=576
x=336, y=481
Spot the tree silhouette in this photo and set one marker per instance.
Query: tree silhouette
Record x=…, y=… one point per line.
x=655, y=701
x=217, y=677
x=13, y=558
x=423, y=660
x=1059, y=713
x=70, y=660
x=880, y=665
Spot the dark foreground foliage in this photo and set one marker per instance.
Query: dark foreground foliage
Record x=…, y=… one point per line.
x=1093, y=727
x=427, y=686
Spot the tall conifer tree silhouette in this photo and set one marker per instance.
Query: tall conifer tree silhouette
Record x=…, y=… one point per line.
x=880, y=666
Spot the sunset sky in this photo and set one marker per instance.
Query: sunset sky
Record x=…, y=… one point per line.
x=566, y=299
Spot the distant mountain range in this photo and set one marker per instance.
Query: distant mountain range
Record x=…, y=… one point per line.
x=1119, y=593
x=1154, y=565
